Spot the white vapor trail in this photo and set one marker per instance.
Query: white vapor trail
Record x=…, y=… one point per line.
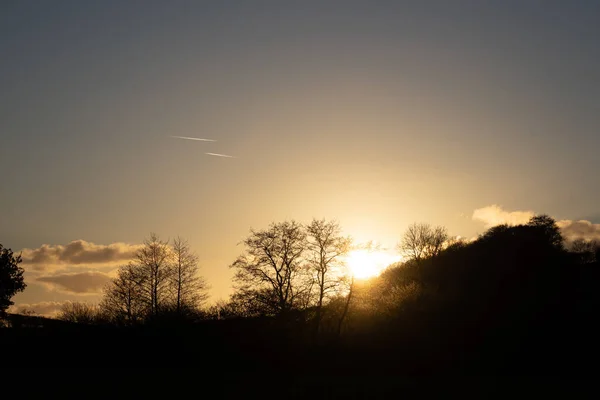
x=193, y=138
x=219, y=155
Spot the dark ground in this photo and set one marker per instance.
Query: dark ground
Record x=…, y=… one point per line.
x=256, y=357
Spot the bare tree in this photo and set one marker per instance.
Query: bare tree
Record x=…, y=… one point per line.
x=164, y=278
x=77, y=312
x=421, y=241
x=273, y=261
x=326, y=250
x=123, y=300
x=251, y=302
x=586, y=250
x=155, y=271
x=190, y=289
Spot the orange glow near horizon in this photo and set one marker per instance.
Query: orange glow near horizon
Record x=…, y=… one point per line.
x=365, y=264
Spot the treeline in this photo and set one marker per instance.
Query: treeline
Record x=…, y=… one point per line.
x=162, y=282
x=293, y=271
x=286, y=268
x=518, y=299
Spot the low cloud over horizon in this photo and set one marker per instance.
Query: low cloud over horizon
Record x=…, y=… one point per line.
x=77, y=252
x=43, y=308
x=79, y=268
x=571, y=230
x=89, y=282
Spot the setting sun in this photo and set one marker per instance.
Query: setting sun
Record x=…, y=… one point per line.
x=364, y=264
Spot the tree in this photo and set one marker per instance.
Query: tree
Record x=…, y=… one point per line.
x=189, y=288
x=421, y=241
x=346, y=307
x=163, y=280
x=326, y=249
x=238, y=306
x=547, y=227
x=155, y=272
x=272, y=265
x=123, y=300
x=79, y=313
x=249, y=302
x=585, y=250
x=11, y=278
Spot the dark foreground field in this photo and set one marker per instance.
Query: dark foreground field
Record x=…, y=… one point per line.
x=263, y=346
x=241, y=358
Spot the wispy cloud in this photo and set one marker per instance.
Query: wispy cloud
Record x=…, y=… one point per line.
x=193, y=138
x=219, y=155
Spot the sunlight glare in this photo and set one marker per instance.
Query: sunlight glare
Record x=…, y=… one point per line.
x=365, y=264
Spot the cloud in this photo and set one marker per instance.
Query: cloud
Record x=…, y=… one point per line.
x=78, y=252
x=571, y=230
x=77, y=283
x=494, y=215
x=44, y=308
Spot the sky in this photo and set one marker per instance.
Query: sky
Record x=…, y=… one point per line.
x=375, y=113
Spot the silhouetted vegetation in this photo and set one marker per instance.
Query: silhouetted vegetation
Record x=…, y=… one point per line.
x=80, y=313
x=162, y=284
x=517, y=300
x=11, y=278
x=326, y=247
x=421, y=241
x=270, y=275
x=291, y=267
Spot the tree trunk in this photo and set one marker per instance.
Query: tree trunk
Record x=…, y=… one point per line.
x=179, y=289
x=346, y=307
x=319, y=312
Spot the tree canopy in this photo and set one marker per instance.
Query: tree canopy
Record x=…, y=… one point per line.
x=11, y=278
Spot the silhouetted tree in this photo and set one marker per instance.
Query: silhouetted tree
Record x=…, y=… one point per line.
x=547, y=228
x=123, y=300
x=255, y=302
x=80, y=313
x=219, y=310
x=155, y=271
x=162, y=285
x=326, y=249
x=422, y=241
x=586, y=250
x=346, y=307
x=238, y=306
x=190, y=289
x=11, y=278
x=272, y=266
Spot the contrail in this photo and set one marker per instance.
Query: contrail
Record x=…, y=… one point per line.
x=193, y=138
x=219, y=155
